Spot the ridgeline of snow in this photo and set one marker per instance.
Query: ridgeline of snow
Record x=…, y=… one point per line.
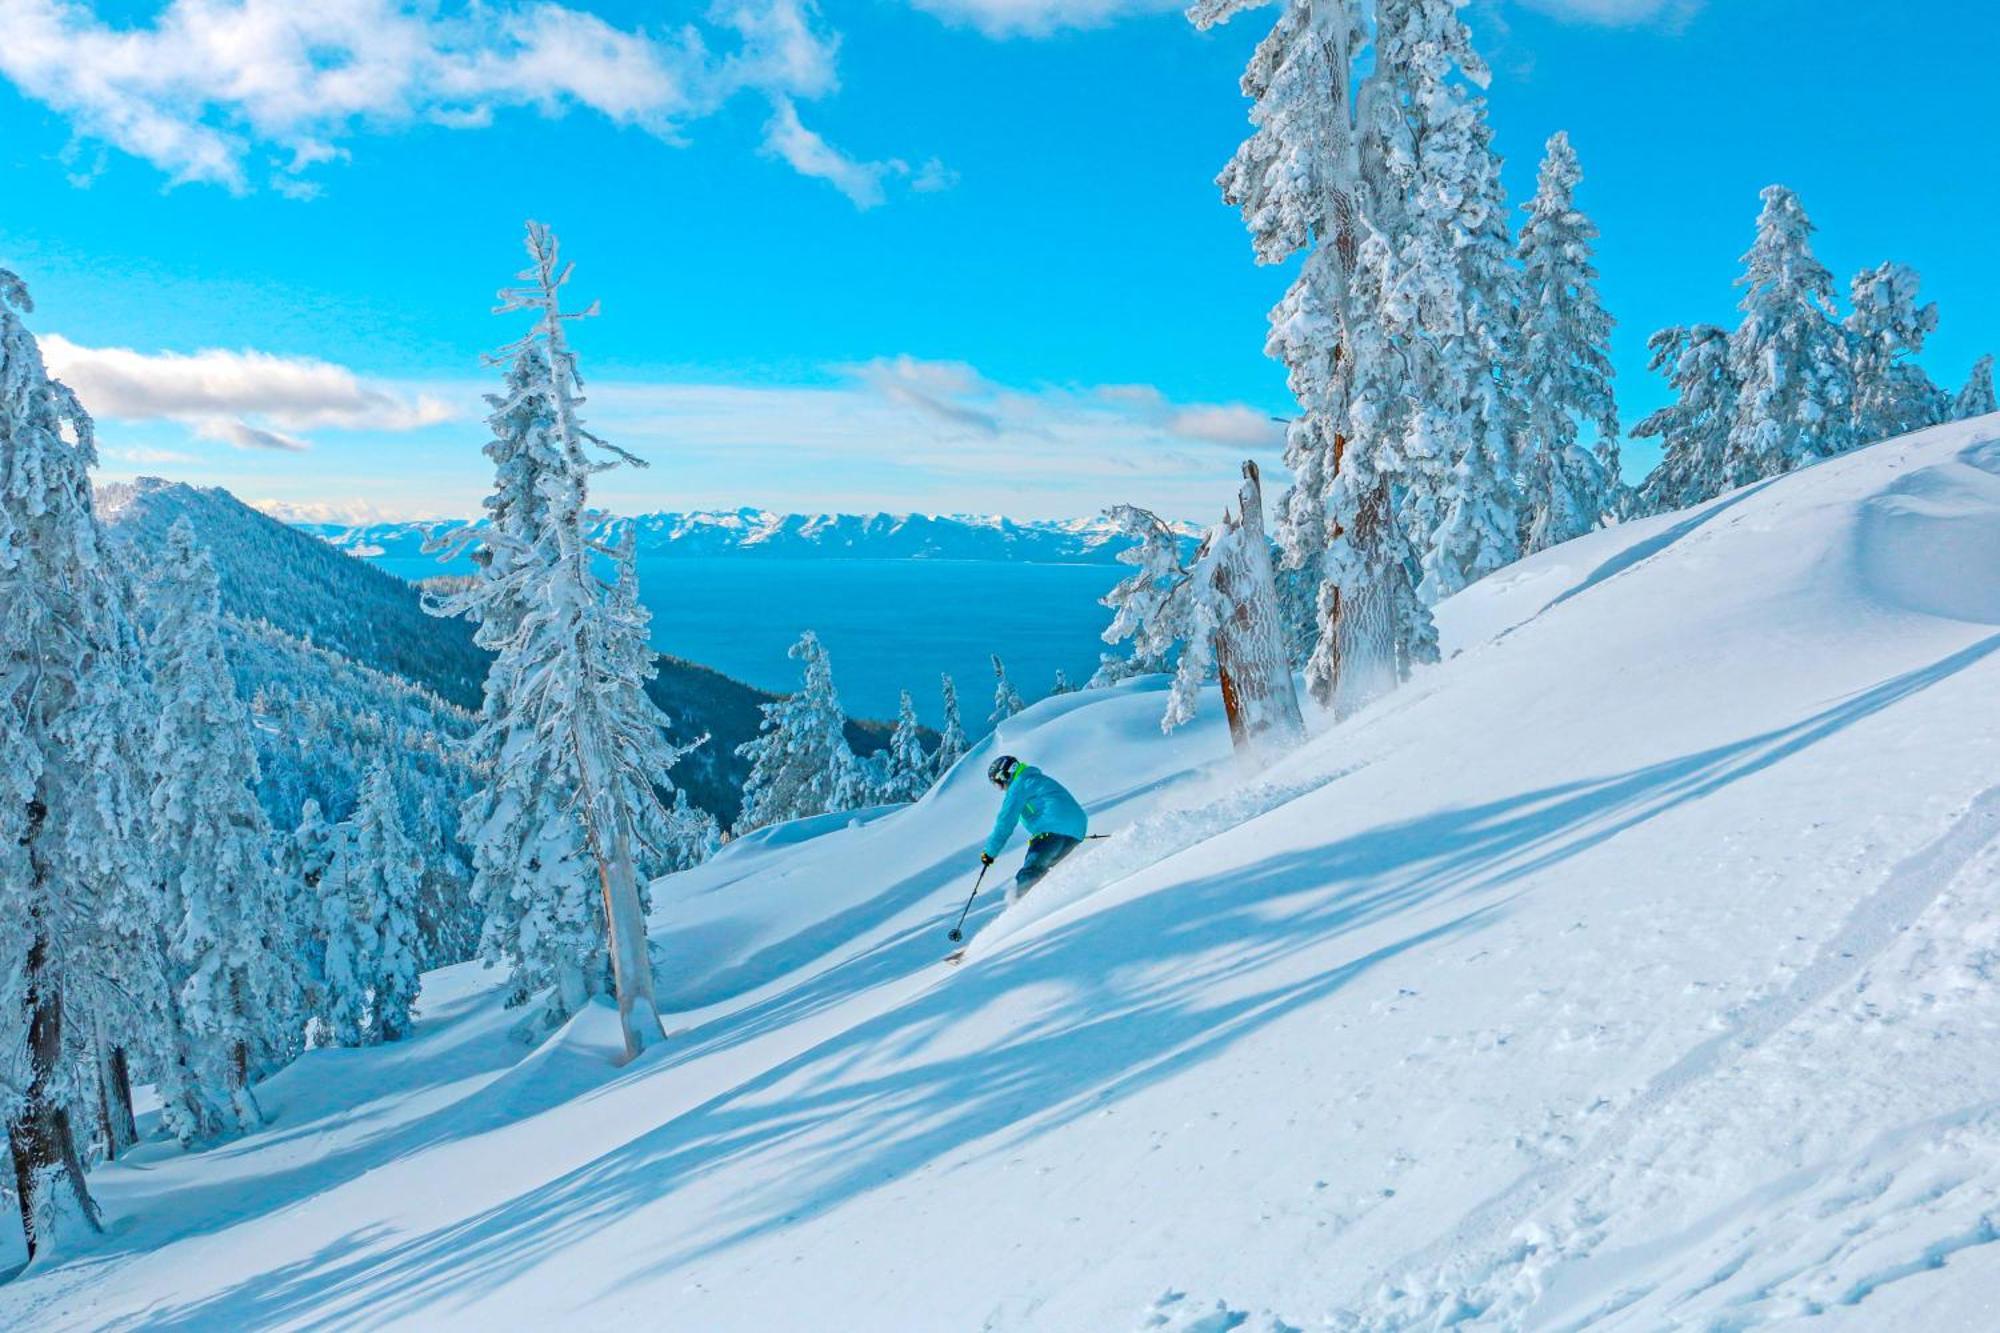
x=805, y=536
x=1634, y=968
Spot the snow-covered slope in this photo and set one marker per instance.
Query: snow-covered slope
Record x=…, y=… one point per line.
x=762, y=532
x=1635, y=968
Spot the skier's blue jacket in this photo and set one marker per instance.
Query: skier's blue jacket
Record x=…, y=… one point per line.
x=1041, y=803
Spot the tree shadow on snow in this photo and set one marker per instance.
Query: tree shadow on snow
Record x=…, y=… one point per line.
x=885, y=960
x=1118, y=999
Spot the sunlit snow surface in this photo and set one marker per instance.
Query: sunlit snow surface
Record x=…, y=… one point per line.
x=1636, y=968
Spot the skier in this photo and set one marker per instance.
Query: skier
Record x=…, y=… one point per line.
x=1056, y=824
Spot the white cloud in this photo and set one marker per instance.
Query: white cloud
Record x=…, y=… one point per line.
x=145, y=454
x=900, y=433
x=810, y=155
x=241, y=92
x=1617, y=13
x=931, y=435
x=1040, y=18
x=1043, y=18
x=959, y=398
x=250, y=400
x=862, y=182
x=932, y=177
x=943, y=390
x=243, y=435
x=1233, y=425
x=354, y=512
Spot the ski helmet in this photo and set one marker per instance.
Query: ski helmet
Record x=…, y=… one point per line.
x=1002, y=769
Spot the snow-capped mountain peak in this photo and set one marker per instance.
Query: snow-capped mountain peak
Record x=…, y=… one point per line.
x=750, y=531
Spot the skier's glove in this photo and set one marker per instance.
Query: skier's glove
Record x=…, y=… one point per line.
x=985, y=860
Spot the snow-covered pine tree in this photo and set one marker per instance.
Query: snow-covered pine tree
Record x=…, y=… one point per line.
x=1565, y=372
x=1789, y=355
x=1161, y=607
x=1307, y=180
x=524, y=449
x=533, y=884
x=909, y=768
x=1886, y=329
x=370, y=922
x=118, y=984
x=79, y=978
x=446, y=920
x=691, y=836
x=1370, y=592
x=304, y=859
x=1219, y=611
x=800, y=762
x=672, y=834
x=952, y=743
x=1007, y=700
x=229, y=946
x=49, y=540
x=1451, y=299
x=1976, y=398
x=342, y=1015
x=1061, y=685
x=578, y=749
x=1251, y=663
x=1140, y=601
x=1693, y=429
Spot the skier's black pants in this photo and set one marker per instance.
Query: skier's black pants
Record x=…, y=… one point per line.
x=1044, y=851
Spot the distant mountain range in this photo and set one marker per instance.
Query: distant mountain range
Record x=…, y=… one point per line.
x=760, y=532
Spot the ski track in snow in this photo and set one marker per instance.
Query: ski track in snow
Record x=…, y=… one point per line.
x=1146, y=842
x=1495, y=1264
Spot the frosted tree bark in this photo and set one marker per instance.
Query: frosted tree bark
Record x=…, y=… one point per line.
x=1258, y=693
x=48, y=1173
x=1367, y=662
x=116, y=1121
x=624, y=916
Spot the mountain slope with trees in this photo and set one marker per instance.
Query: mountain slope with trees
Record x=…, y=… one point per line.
x=272, y=572
x=276, y=580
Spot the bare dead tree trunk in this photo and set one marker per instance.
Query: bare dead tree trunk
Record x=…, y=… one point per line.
x=115, y=1120
x=244, y=1101
x=39, y=1136
x=1257, y=690
x=105, y=1132
x=624, y=918
x=118, y=1097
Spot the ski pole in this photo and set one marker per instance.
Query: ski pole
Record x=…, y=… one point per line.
x=957, y=934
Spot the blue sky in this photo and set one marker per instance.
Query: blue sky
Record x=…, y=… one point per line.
x=935, y=254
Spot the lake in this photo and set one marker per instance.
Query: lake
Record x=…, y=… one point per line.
x=889, y=625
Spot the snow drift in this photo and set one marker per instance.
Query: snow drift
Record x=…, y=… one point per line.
x=1635, y=968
